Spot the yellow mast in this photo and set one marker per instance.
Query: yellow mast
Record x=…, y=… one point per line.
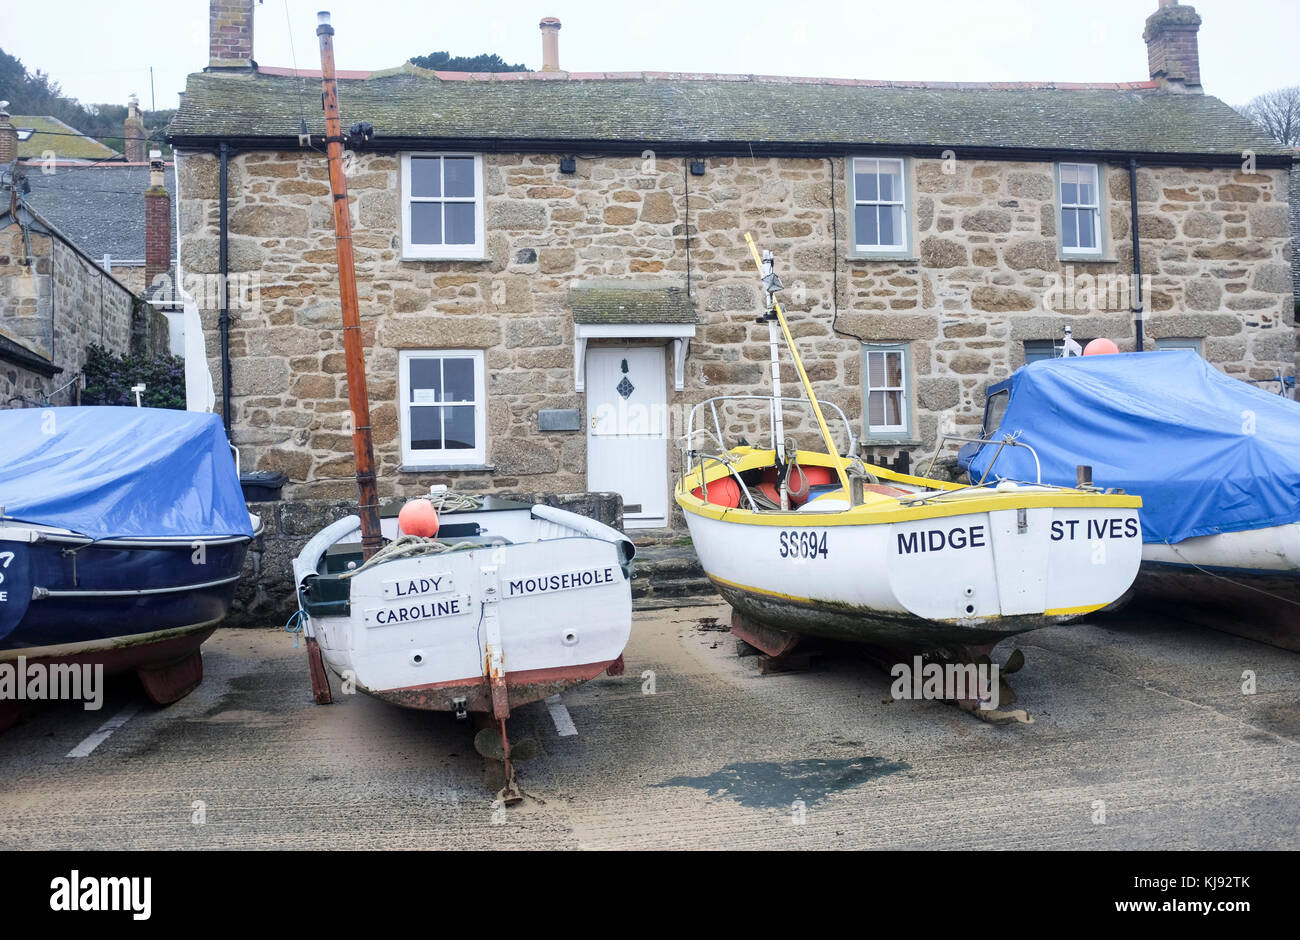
x=803, y=376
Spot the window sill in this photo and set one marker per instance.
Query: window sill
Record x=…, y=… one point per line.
x=445, y=258
x=446, y=468
x=883, y=256
x=889, y=442
x=1093, y=259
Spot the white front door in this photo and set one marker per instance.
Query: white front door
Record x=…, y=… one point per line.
x=627, y=430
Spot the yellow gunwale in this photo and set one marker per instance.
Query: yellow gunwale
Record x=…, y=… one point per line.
x=880, y=510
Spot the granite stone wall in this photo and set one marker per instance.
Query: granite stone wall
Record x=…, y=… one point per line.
x=984, y=276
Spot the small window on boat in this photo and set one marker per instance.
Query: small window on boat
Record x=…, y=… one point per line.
x=1180, y=342
x=885, y=390
x=1080, y=208
x=442, y=205
x=879, y=189
x=994, y=411
x=443, y=407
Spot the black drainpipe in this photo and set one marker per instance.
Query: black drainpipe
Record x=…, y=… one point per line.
x=1137, y=253
x=224, y=320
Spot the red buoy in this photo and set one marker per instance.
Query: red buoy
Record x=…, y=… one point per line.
x=724, y=492
x=418, y=517
x=1100, y=347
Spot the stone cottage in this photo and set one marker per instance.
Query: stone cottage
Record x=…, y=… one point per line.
x=552, y=266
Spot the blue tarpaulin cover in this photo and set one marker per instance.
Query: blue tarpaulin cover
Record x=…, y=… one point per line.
x=1207, y=453
x=110, y=472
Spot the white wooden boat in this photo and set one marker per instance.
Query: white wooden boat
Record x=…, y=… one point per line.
x=1245, y=582
x=511, y=604
x=888, y=559
x=504, y=604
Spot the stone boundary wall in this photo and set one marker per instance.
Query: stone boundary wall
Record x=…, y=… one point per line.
x=89, y=307
x=266, y=595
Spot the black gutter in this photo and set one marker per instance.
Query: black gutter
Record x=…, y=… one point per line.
x=224, y=319
x=1136, y=292
x=731, y=148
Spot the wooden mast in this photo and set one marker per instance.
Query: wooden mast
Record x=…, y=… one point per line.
x=354, y=354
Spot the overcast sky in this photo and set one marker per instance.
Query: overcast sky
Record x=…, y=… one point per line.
x=101, y=52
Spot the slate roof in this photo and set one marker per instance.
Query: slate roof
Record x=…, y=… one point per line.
x=52, y=134
x=99, y=208
x=714, y=112
x=630, y=305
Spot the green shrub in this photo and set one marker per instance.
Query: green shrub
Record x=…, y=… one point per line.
x=109, y=379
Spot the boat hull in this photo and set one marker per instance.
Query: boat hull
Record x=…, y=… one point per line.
x=1246, y=583
x=421, y=632
x=143, y=606
x=961, y=580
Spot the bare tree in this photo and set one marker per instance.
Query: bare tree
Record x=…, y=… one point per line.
x=1278, y=113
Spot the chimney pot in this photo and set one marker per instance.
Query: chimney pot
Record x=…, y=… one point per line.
x=550, y=27
x=1172, y=52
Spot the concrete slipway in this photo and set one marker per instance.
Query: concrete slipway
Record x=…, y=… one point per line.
x=1148, y=716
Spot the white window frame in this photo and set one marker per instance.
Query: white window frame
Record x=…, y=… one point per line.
x=903, y=430
x=1098, y=228
x=411, y=251
x=1194, y=343
x=903, y=246
x=443, y=457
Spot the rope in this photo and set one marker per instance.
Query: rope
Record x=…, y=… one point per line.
x=447, y=501
x=295, y=625
x=408, y=546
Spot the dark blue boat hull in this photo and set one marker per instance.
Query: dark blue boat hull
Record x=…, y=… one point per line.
x=64, y=593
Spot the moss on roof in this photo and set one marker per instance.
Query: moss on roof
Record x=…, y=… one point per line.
x=52, y=134
x=410, y=103
x=630, y=305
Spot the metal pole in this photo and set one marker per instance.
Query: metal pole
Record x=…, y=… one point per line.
x=1137, y=254
x=803, y=376
x=354, y=354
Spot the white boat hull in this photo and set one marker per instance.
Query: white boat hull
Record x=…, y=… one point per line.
x=1246, y=583
x=968, y=579
x=549, y=609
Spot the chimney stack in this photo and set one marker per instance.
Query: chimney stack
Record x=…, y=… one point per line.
x=550, y=27
x=230, y=34
x=134, y=132
x=1171, y=47
x=157, y=222
x=8, y=137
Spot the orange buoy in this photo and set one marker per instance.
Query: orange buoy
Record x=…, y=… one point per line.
x=418, y=517
x=1100, y=347
x=770, y=491
x=723, y=492
x=819, y=476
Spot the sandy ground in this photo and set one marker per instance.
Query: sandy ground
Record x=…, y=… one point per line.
x=1146, y=717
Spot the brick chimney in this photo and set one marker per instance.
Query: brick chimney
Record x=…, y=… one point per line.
x=157, y=222
x=230, y=34
x=8, y=137
x=1171, y=47
x=550, y=27
x=134, y=132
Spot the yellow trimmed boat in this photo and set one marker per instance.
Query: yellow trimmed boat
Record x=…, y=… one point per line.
x=802, y=543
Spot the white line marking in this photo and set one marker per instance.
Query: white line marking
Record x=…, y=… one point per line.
x=99, y=737
x=560, y=715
